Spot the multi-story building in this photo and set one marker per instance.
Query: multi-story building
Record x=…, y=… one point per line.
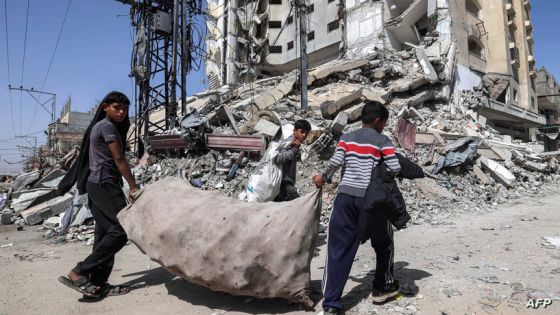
x=493, y=40
x=263, y=37
x=548, y=93
x=68, y=131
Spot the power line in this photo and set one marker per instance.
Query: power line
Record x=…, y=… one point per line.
x=23, y=62
x=29, y=134
x=52, y=58
x=56, y=45
x=8, y=67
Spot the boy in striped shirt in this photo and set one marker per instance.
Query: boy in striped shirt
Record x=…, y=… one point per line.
x=358, y=152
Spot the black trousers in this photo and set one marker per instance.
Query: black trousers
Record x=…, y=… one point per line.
x=342, y=244
x=105, y=202
x=287, y=192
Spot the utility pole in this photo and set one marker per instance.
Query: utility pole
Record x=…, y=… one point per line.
x=302, y=10
x=52, y=98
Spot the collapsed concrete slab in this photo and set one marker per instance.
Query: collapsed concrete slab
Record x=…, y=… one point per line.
x=537, y=167
x=254, y=249
x=377, y=95
x=28, y=198
x=51, y=180
x=329, y=68
x=500, y=173
x=429, y=71
x=420, y=98
x=403, y=84
x=45, y=210
x=24, y=180
x=341, y=97
x=270, y=97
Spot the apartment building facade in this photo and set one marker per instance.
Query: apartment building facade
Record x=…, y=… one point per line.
x=496, y=44
x=493, y=40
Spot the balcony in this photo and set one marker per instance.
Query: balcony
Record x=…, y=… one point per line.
x=527, y=4
x=530, y=39
x=510, y=112
x=510, y=9
x=531, y=59
x=511, y=44
x=528, y=26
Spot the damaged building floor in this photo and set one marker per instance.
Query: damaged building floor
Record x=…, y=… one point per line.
x=490, y=263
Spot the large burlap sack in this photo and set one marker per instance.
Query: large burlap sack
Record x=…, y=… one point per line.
x=255, y=249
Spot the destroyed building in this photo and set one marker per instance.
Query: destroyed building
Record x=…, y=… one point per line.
x=68, y=130
x=548, y=93
x=491, y=42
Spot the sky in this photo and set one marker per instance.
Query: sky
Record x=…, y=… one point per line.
x=93, y=58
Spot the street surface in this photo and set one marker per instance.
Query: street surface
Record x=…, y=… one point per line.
x=479, y=263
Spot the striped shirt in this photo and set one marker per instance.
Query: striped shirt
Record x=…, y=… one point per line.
x=358, y=152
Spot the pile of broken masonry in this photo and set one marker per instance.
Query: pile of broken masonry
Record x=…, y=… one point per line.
x=471, y=167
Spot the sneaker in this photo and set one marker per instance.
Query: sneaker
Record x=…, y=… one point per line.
x=331, y=311
x=380, y=295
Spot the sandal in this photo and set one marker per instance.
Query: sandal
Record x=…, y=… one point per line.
x=114, y=290
x=82, y=285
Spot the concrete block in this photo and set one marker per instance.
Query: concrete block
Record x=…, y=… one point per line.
x=535, y=166
x=497, y=171
x=339, y=122
x=267, y=128
x=429, y=71
x=329, y=68
x=403, y=85
x=354, y=113
x=268, y=98
x=377, y=95
x=480, y=175
x=45, y=210
x=331, y=107
x=420, y=98
x=51, y=180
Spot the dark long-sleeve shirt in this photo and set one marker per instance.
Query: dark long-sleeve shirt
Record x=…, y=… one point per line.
x=287, y=158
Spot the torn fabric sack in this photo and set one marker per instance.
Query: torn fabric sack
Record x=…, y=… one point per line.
x=460, y=152
x=253, y=249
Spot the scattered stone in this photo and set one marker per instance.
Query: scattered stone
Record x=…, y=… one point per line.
x=490, y=279
x=490, y=301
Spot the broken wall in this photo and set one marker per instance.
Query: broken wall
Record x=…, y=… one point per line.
x=364, y=27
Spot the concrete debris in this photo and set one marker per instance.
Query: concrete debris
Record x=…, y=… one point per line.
x=266, y=128
x=51, y=180
x=429, y=71
x=333, y=67
x=377, y=95
x=43, y=211
x=499, y=172
x=480, y=175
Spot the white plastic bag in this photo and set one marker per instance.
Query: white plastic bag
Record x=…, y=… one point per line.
x=264, y=184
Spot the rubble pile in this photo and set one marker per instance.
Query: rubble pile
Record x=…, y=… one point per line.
x=470, y=166
x=424, y=122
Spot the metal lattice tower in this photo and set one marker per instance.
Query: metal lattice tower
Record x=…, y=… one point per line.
x=160, y=62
